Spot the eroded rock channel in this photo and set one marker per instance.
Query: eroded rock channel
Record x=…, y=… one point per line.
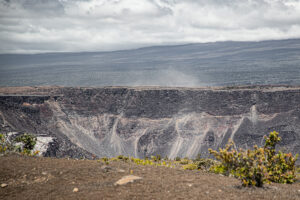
x=143, y=121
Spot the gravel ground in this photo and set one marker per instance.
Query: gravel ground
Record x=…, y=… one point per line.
x=51, y=178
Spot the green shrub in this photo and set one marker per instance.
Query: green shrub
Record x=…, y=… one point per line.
x=257, y=166
x=121, y=157
x=158, y=156
x=191, y=166
x=114, y=159
x=154, y=158
x=226, y=158
x=29, y=141
x=177, y=158
x=218, y=169
x=248, y=166
x=184, y=161
x=4, y=144
x=204, y=163
x=105, y=160
x=281, y=166
x=139, y=161
x=3, y=147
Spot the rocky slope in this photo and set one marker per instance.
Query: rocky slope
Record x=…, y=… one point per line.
x=143, y=121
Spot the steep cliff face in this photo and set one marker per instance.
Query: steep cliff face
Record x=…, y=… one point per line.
x=145, y=121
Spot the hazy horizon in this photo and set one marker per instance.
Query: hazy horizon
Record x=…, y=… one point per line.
x=194, y=65
x=149, y=46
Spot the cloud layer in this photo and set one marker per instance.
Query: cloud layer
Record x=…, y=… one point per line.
x=29, y=26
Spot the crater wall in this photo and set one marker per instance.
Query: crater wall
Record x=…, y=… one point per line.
x=144, y=121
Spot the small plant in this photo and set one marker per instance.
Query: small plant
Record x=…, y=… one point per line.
x=166, y=158
x=105, y=160
x=114, y=159
x=29, y=141
x=141, y=161
x=36, y=153
x=248, y=166
x=226, y=158
x=177, y=158
x=125, y=158
x=218, y=169
x=281, y=166
x=158, y=156
x=204, y=163
x=4, y=144
x=153, y=158
x=184, y=162
x=191, y=166
x=258, y=166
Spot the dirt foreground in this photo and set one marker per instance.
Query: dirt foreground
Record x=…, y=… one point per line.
x=51, y=178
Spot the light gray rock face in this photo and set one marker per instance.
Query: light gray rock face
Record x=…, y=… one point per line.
x=147, y=121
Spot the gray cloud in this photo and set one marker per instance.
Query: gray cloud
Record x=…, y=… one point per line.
x=97, y=25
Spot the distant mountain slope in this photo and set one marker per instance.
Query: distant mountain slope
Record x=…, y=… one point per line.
x=208, y=64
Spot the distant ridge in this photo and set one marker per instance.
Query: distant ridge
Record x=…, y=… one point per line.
x=188, y=65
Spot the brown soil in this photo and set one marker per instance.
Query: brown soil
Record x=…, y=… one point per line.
x=50, y=178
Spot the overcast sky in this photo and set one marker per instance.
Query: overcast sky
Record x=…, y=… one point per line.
x=100, y=25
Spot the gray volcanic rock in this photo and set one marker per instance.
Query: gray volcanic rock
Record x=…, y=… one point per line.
x=144, y=121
